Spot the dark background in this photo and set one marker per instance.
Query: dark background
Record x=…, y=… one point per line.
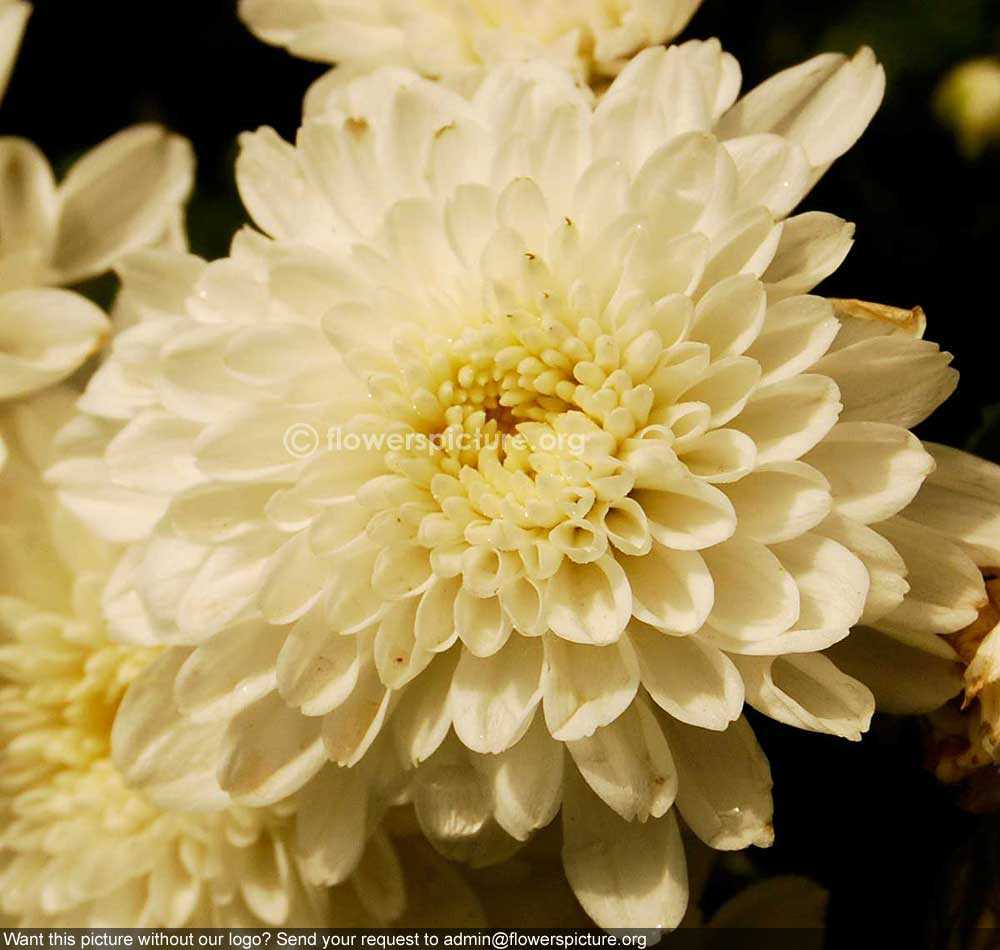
x=866, y=820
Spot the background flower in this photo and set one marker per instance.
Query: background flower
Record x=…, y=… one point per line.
x=455, y=40
x=122, y=195
x=78, y=847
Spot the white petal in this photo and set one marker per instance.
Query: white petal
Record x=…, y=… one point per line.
x=797, y=331
x=787, y=418
x=154, y=453
x=774, y=171
x=224, y=586
x=671, y=590
x=874, y=470
x=946, y=587
x=808, y=691
x=317, y=667
x=351, y=604
x=687, y=514
x=398, y=656
x=905, y=680
x=779, y=501
x=624, y=873
x=730, y=316
x=218, y=511
x=886, y=569
x=756, y=598
x=252, y=446
x=725, y=785
x=269, y=752
x=331, y=841
x=725, y=387
x=813, y=245
x=434, y=625
x=493, y=699
x=147, y=727
x=119, y=197
x=586, y=687
x=690, y=679
x=27, y=192
x=961, y=499
x=521, y=600
x=13, y=18
x=719, y=457
x=746, y=245
x=481, y=623
x=894, y=379
x=230, y=671
x=351, y=728
x=589, y=603
x=274, y=189
x=526, y=781
x=628, y=765
x=832, y=582
x=423, y=717
x=451, y=800
x=295, y=579
x=823, y=104
x=45, y=335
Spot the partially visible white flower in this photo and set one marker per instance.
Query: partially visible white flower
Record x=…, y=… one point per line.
x=454, y=39
x=78, y=847
x=959, y=506
x=125, y=194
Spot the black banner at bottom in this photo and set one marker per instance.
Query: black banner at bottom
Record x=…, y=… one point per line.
x=389, y=939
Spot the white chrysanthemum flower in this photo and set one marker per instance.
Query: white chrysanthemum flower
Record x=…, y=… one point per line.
x=959, y=508
x=122, y=195
x=457, y=38
x=527, y=437
x=77, y=846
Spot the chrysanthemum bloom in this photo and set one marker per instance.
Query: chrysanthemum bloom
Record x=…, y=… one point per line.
x=456, y=39
x=122, y=195
x=960, y=505
x=77, y=846
x=524, y=432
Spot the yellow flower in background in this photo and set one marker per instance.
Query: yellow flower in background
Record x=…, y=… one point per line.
x=968, y=101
